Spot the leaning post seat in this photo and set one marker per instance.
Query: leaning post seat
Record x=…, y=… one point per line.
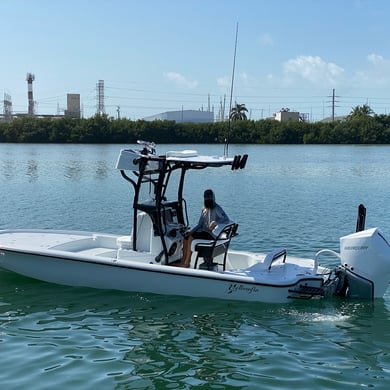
x=210, y=249
x=146, y=242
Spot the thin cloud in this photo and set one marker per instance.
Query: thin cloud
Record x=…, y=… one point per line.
x=224, y=82
x=312, y=69
x=266, y=40
x=181, y=80
x=376, y=74
x=243, y=76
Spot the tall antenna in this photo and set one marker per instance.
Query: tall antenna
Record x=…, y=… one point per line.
x=231, y=94
x=30, y=78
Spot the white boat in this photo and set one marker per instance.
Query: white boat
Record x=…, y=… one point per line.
x=146, y=260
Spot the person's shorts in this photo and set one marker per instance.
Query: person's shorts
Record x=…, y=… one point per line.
x=202, y=235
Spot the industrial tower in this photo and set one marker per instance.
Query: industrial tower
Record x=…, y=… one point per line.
x=100, y=97
x=7, y=107
x=30, y=78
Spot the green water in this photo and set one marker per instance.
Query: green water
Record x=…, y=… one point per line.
x=61, y=337
x=300, y=197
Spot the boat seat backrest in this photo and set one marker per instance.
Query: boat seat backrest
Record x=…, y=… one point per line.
x=271, y=257
x=144, y=232
x=210, y=249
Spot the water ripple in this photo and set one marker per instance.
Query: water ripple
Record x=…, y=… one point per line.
x=60, y=337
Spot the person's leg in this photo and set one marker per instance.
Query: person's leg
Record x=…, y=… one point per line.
x=187, y=253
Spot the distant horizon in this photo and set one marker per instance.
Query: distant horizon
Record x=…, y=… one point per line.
x=162, y=56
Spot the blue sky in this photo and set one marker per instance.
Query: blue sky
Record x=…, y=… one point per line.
x=156, y=56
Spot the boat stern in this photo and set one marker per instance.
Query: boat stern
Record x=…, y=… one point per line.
x=365, y=260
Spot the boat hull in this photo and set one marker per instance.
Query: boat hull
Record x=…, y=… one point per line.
x=150, y=278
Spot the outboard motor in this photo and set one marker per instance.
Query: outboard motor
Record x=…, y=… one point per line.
x=361, y=219
x=365, y=260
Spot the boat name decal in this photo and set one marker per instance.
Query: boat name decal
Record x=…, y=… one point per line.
x=236, y=287
x=356, y=248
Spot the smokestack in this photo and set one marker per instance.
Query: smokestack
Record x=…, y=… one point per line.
x=30, y=78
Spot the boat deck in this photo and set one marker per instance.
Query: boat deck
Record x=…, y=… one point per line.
x=108, y=247
x=56, y=240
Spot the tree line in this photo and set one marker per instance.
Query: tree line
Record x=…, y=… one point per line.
x=355, y=129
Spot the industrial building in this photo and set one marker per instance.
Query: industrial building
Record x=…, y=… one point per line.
x=287, y=116
x=73, y=105
x=73, y=109
x=184, y=116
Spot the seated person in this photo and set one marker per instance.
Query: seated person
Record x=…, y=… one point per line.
x=208, y=227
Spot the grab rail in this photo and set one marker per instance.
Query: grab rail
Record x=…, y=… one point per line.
x=273, y=256
x=320, y=253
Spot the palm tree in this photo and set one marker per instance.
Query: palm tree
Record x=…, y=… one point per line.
x=360, y=112
x=238, y=112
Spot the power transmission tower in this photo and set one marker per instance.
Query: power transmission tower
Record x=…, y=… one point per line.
x=7, y=107
x=100, y=97
x=334, y=101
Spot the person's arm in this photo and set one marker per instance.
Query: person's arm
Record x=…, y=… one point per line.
x=221, y=216
x=199, y=225
x=221, y=220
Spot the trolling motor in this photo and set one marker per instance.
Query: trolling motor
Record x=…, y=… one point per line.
x=361, y=218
